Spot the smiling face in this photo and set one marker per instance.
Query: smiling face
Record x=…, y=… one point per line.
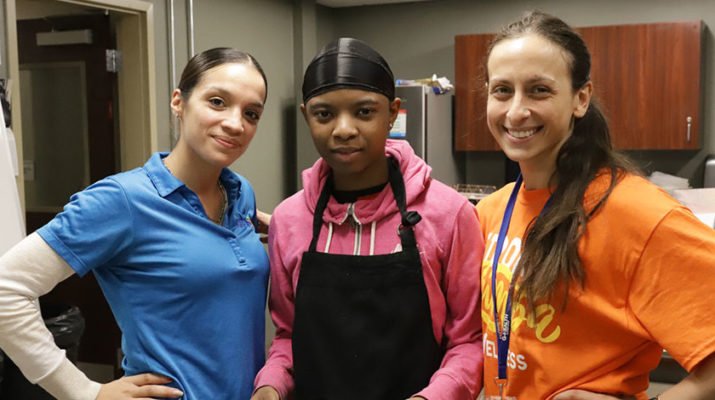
x=220, y=116
x=349, y=128
x=531, y=102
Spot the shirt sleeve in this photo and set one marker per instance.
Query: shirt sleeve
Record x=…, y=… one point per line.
x=94, y=227
x=27, y=271
x=673, y=285
x=278, y=370
x=460, y=374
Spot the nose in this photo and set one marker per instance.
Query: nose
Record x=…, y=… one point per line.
x=233, y=123
x=344, y=128
x=518, y=109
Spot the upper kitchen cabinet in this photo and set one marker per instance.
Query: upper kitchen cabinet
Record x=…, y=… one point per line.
x=470, y=93
x=647, y=80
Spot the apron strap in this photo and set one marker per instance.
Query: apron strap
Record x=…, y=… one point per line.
x=409, y=218
x=397, y=183
x=319, y=209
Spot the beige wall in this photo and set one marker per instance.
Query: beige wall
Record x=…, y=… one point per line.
x=3, y=42
x=264, y=28
x=30, y=9
x=418, y=40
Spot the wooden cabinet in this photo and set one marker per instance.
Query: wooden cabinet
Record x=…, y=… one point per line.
x=470, y=93
x=647, y=80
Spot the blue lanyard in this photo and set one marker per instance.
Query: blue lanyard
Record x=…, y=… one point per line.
x=504, y=334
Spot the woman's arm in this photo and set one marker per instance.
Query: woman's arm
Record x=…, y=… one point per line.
x=699, y=385
x=28, y=271
x=671, y=296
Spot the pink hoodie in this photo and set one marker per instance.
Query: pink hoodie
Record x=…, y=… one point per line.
x=450, y=244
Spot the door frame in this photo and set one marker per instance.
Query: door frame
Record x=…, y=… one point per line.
x=136, y=84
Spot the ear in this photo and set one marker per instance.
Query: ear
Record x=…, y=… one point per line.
x=303, y=110
x=177, y=103
x=394, y=109
x=582, y=99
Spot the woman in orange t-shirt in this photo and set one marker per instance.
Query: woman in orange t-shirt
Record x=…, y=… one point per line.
x=591, y=282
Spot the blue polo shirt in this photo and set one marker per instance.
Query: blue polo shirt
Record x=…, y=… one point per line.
x=188, y=294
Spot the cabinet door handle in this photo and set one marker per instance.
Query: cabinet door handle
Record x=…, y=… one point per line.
x=689, y=121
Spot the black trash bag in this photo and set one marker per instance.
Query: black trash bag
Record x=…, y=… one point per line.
x=5, y=103
x=2, y=369
x=66, y=325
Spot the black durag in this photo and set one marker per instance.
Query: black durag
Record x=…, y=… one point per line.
x=348, y=63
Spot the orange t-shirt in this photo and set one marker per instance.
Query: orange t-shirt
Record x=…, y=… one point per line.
x=649, y=267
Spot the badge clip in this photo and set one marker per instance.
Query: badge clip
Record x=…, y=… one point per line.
x=501, y=384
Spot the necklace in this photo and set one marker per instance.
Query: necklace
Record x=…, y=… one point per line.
x=223, y=192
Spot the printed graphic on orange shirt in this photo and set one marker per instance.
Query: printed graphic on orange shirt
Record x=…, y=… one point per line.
x=545, y=328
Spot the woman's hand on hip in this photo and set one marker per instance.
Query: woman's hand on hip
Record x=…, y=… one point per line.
x=576, y=394
x=266, y=393
x=142, y=386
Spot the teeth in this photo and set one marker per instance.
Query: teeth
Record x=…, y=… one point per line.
x=521, y=134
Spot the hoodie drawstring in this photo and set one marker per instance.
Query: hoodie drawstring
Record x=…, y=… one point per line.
x=330, y=237
x=357, y=244
x=372, y=237
x=358, y=239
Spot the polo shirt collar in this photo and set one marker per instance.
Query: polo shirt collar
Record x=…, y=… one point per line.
x=166, y=183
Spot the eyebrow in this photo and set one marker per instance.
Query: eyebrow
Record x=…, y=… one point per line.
x=228, y=93
x=327, y=104
x=367, y=102
x=529, y=81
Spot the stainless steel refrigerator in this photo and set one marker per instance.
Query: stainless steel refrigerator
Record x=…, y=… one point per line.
x=425, y=121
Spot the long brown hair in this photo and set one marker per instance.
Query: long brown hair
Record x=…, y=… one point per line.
x=550, y=251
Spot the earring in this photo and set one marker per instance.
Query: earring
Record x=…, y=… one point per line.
x=389, y=125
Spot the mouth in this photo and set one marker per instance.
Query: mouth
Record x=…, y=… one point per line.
x=227, y=142
x=345, y=154
x=344, y=150
x=522, y=133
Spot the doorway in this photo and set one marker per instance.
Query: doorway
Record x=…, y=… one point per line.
x=69, y=142
x=127, y=116
x=68, y=102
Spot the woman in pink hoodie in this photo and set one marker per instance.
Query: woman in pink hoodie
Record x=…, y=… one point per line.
x=374, y=264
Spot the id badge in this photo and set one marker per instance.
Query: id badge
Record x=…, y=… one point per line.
x=501, y=384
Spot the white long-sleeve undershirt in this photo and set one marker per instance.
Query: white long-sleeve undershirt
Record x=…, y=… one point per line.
x=28, y=271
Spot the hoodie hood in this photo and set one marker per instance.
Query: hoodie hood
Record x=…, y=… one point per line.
x=415, y=172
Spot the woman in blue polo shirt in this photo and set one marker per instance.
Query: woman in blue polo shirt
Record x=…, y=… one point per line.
x=174, y=249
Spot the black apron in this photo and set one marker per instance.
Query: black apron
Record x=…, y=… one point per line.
x=363, y=327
